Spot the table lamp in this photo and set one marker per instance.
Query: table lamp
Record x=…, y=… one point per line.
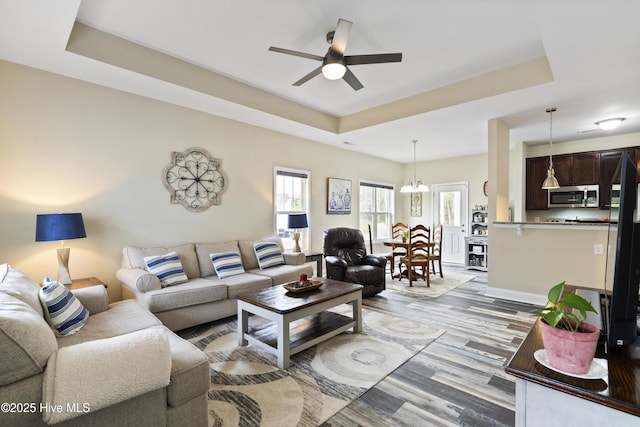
x=296, y=222
x=62, y=226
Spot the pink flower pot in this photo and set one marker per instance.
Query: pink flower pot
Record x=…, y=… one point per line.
x=570, y=352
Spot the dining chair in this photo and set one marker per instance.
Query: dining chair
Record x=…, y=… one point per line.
x=436, y=249
x=397, y=231
x=417, y=259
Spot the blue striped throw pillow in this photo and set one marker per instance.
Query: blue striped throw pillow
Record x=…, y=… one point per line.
x=62, y=309
x=168, y=268
x=268, y=254
x=227, y=264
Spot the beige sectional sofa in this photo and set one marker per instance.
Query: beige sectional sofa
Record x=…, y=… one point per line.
x=122, y=368
x=205, y=296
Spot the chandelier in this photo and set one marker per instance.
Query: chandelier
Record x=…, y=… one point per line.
x=415, y=185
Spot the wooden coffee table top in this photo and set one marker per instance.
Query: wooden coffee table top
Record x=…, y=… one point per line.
x=279, y=300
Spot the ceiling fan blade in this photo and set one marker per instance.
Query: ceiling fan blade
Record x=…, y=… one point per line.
x=308, y=76
x=353, y=81
x=373, y=59
x=296, y=53
x=341, y=37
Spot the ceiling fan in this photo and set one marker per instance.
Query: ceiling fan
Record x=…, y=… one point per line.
x=335, y=62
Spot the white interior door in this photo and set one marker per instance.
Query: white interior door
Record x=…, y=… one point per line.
x=450, y=209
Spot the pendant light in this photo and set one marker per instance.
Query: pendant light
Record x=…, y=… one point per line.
x=414, y=186
x=550, y=181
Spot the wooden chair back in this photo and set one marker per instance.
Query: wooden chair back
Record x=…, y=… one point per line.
x=398, y=229
x=436, y=250
x=419, y=239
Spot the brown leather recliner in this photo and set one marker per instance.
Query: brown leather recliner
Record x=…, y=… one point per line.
x=347, y=260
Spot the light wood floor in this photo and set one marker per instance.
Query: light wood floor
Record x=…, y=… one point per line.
x=457, y=380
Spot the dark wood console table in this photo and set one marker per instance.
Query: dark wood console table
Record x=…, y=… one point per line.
x=542, y=394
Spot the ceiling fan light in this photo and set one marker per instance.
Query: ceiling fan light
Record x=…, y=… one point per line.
x=333, y=70
x=610, y=124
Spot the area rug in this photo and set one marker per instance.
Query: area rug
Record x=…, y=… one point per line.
x=247, y=388
x=439, y=285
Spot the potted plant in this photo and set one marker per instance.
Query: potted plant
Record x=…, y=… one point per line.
x=570, y=342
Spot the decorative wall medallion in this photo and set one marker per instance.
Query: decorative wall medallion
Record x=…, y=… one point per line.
x=194, y=179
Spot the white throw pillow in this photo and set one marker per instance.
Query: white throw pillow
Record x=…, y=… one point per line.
x=227, y=264
x=168, y=268
x=62, y=309
x=268, y=254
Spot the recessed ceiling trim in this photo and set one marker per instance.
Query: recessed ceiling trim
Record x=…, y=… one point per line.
x=110, y=49
x=520, y=76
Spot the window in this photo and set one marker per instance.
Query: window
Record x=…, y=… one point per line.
x=376, y=209
x=291, y=196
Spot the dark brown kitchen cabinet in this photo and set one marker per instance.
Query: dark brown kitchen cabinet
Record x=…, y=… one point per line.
x=586, y=168
x=536, y=172
x=577, y=169
x=563, y=167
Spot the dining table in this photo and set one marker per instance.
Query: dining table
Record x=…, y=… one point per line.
x=398, y=243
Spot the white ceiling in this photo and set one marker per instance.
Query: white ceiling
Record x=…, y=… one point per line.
x=464, y=62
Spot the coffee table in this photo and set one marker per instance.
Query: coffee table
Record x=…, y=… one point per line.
x=300, y=320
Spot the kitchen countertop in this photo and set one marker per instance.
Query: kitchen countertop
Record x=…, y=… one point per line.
x=601, y=225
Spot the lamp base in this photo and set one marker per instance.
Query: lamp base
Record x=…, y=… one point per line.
x=296, y=238
x=63, y=266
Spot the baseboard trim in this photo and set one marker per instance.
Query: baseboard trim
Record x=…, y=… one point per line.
x=526, y=297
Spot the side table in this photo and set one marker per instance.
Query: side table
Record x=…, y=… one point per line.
x=85, y=282
x=317, y=257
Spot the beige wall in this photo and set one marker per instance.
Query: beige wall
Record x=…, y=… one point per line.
x=70, y=146
x=525, y=264
x=470, y=169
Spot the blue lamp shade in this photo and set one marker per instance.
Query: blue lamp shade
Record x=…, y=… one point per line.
x=297, y=221
x=62, y=226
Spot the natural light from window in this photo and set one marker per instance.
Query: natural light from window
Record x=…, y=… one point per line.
x=291, y=196
x=376, y=210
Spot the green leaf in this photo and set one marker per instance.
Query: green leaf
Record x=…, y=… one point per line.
x=576, y=302
x=553, y=318
x=555, y=293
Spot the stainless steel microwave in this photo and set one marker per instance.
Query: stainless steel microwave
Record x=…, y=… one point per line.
x=582, y=196
x=615, y=196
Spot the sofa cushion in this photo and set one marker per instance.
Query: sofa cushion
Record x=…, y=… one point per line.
x=133, y=257
x=122, y=317
x=61, y=308
x=26, y=340
x=249, y=259
x=268, y=254
x=246, y=282
x=195, y=291
x=204, y=250
x=167, y=268
x=284, y=273
x=17, y=284
x=227, y=264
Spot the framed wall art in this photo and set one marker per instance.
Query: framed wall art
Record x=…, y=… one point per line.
x=416, y=204
x=339, y=196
